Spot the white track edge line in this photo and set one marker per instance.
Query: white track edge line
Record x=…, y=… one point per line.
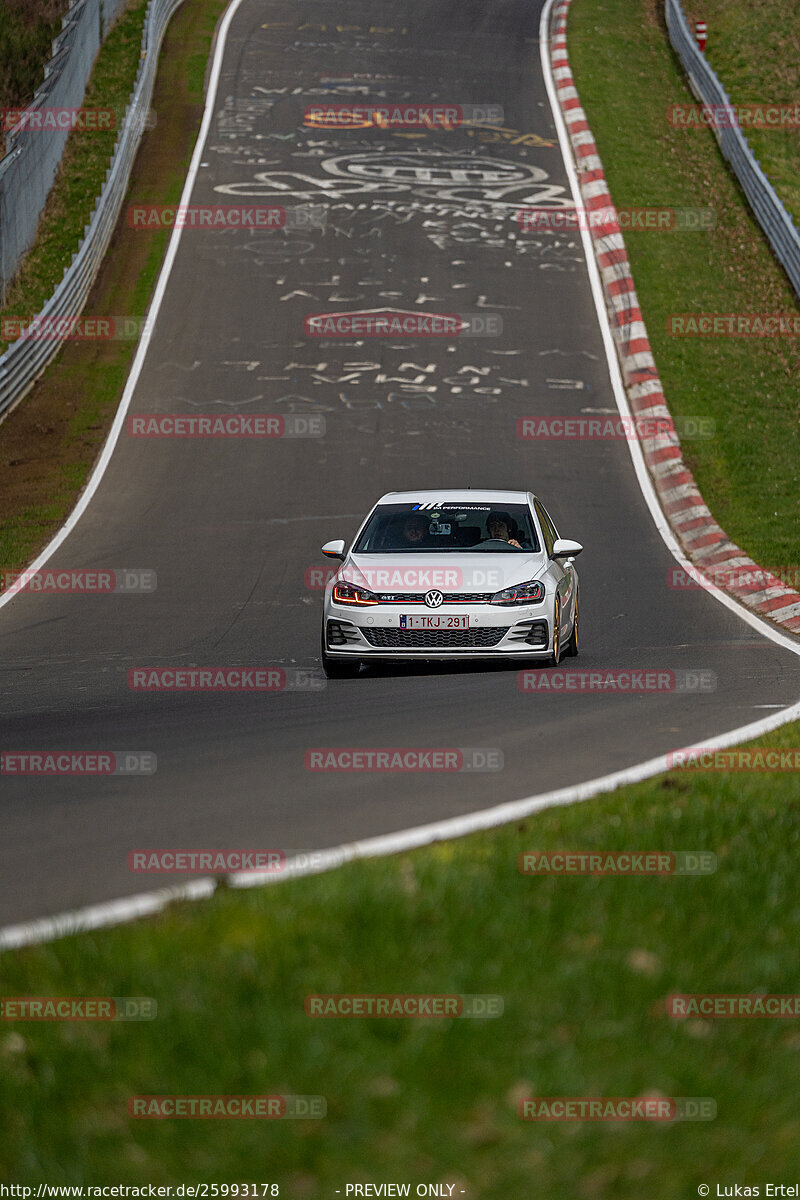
x=116, y=912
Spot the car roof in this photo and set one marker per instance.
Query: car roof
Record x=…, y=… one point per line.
x=457, y=496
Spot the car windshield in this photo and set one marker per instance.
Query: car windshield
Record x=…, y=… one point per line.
x=466, y=528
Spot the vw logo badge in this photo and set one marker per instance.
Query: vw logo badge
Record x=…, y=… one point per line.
x=433, y=599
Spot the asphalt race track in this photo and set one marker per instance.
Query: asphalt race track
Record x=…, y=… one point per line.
x=417, y=220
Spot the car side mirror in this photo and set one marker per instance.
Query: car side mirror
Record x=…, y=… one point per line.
x=564, y=548
x=334, y=549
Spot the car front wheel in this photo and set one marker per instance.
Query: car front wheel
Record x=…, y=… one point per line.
x=572, y=646
x=555, y=653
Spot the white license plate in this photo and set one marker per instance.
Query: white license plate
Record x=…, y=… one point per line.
x=436, y=621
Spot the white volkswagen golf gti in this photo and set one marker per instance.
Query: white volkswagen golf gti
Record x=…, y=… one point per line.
x=451, y=575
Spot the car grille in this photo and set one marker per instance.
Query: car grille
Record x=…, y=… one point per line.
x=424, y=639
x=449, y=597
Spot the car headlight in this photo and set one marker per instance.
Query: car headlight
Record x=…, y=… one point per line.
x=531, y=592
x=350, y=593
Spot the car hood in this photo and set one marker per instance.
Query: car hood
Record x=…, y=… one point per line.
x=453, y=572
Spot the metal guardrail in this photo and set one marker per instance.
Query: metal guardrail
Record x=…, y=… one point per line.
x=26, y=358
x=29, y=166
x=767, y=207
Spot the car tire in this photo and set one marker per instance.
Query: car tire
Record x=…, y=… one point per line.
x=573, y=645
x=339, y=668
x=556, y=652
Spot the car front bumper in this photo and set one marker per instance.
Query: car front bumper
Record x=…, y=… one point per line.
x=494, y=632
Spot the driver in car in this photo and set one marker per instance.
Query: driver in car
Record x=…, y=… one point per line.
x=415, y=529
x=499, y=526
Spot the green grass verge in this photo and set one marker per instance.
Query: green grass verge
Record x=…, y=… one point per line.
x=627, y=76
x=99, y=388
x=583, y=965
x=755, y=49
